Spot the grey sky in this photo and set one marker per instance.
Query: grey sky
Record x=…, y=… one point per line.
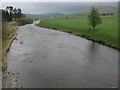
x=54, y=7
x=59, y=0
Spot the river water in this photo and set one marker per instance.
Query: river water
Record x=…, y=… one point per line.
x=46, y=58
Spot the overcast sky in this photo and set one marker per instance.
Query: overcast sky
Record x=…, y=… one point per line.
x=54, y=7
x=59, y=0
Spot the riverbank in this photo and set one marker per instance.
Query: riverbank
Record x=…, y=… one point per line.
x=105, y=33
x=9, y=33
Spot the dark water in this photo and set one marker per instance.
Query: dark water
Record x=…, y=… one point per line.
x=45, y=58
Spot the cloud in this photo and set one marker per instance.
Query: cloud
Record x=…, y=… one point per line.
x=54, y=7
x=60, y=0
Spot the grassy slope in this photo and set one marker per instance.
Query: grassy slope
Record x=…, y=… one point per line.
x=106, y=32
x=9, y=32
x=102, y=9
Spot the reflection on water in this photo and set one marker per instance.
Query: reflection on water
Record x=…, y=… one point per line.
x=92, y=51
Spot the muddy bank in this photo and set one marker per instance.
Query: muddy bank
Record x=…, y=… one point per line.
x=45, y=58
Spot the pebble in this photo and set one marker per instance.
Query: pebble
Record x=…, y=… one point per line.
x=21, y=42
x=18, y=73
x=13, y=73
x=30, y=61
x=8, y=72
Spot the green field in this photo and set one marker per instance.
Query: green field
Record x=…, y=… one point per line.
x=107, y=32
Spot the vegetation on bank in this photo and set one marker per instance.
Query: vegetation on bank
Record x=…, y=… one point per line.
x=9, y=32
x=23, y=21
x=105, y=33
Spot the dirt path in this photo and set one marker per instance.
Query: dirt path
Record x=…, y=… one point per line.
x=45, y=58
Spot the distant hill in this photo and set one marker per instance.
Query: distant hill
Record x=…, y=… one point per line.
x=44, y=15
x=85, y=12
x=102, y=9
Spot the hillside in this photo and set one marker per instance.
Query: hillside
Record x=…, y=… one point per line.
x=102, y=9
x=44, y=15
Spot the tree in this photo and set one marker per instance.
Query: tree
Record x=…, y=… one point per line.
x=15, y=13
x=11, y=13
x=94, y=17
x=111, y=14
x=7, y=15
x=19, y=13
x=9, y=9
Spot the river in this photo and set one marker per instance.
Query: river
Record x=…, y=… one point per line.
x=46, y=58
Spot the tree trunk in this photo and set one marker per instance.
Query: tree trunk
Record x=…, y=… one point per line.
x=93, y=27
